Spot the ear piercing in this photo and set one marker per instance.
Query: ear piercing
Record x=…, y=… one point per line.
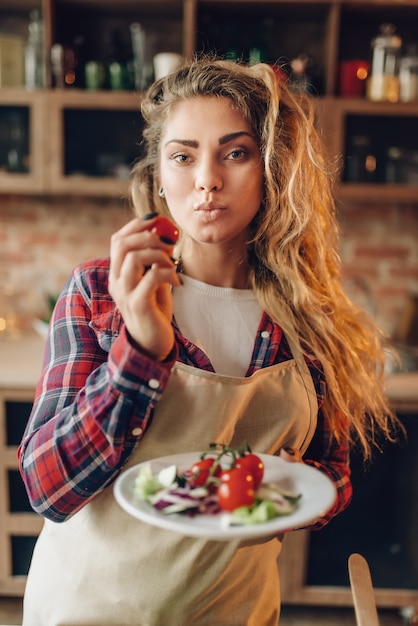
x=161, y=192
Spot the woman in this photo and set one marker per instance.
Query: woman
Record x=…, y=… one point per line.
x=247, y=337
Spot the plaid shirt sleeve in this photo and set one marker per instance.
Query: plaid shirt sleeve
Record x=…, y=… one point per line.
x=334, y=460
x=93, y=401
x=327, y=455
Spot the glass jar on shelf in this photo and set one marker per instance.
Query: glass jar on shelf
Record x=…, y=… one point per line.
x=408, y=75
x=383, y=83
x=411, y=174
x=396, y=161
x=35, y=68
x=360, y=162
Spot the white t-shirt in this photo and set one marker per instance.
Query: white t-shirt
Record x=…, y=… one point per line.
x=221, y=321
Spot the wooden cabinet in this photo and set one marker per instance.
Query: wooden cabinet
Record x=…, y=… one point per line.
x=380, y=523
x=24, y=141
x=20, y=366
x=387, y=126
x=96, y=139
x=19, y=525
x=328, y=33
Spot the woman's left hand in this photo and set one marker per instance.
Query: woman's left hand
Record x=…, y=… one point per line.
x=292, y=455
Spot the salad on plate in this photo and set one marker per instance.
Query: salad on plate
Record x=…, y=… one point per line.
x=224, y=480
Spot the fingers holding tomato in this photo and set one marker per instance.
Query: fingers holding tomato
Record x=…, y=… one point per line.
x=165, y=229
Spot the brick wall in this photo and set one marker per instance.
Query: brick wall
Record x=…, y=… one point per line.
x=379, y=249
x=41, y=239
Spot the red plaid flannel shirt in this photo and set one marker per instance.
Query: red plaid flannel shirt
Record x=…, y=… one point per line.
x=97, y=393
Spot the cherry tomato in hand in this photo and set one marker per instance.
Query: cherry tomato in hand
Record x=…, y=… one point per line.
x=202, y=470
x=236, y=489
x=254, y=465
x=166, y=230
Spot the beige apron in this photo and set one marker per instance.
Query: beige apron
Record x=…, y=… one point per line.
x=104, y=568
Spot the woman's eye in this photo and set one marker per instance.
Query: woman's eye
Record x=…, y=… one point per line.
x=180, y=158
x=238, y=153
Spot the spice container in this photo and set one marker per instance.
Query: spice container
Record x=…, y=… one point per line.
x=360, y=161
x=396, y=159
x=383, y=84
x=94, y=75
x=411, y=173
x=408, y=75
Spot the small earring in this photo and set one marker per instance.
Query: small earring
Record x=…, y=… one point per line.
x=161, y=192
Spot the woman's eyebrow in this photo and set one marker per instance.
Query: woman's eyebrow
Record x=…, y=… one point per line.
x=192, y=143
x=232, y=136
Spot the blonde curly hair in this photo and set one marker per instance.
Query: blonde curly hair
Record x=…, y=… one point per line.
x=295, y=268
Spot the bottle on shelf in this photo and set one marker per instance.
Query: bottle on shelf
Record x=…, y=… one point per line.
x=35, y=69
x=411, y=169
x=383, y=83
x=117, y=63
x=138, y=39
x=17, y=158
x=408, y=75
x=396, y=159
x=67, y=65
x=300, y=78
x=360, y=162
x=257, y=55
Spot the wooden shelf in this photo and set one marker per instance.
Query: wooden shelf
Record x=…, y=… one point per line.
x=331, y=20
x=377, y=194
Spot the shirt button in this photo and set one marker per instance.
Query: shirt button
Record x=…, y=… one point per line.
x=137, y=431
x=153, y=383
x=265, y=334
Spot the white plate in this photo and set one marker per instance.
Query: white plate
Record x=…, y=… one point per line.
x=317, y=492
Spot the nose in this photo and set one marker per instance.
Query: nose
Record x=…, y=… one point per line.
x=208, y=177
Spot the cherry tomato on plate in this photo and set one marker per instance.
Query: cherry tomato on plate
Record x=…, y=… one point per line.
x=254, y=465
x=202, y=470
x=166, y=230
x=236, y=489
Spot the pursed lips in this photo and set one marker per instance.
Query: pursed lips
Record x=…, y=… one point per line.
x=209, y=206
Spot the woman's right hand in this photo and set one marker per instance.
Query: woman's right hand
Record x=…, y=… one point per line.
x=142, y=273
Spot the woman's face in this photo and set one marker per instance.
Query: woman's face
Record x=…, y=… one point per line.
x=211, y=170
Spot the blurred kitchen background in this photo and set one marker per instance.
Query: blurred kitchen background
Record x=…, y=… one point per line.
x=71, y=77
